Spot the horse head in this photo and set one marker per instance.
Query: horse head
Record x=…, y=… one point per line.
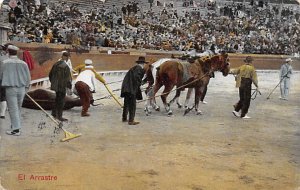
x=220, y=63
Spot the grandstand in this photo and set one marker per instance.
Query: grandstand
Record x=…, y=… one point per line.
x=144, y=4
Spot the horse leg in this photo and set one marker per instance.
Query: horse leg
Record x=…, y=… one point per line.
x=157, y=86
x=176, y=98
x=188, y=97
x=197, y=99
x=154, y=105
x=166, y=92
x=186, y=104
x=149, y=101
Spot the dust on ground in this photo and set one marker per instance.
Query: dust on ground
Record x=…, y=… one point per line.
x=195, y=152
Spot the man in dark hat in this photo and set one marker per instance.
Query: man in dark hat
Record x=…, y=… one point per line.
x=61, y=79
x=246, y=74
x=131, y=90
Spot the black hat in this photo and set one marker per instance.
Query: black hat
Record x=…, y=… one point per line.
x=141, y=60
x=65, y=53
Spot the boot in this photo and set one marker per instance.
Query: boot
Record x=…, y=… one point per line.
x=133, y=122
x=85, y=114
x=59, y=115
x=3, y=107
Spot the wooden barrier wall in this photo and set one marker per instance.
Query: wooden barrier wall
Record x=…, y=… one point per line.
x=123, y=60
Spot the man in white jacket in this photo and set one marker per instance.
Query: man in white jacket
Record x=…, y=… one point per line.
x=286, y=72
x=85, y=85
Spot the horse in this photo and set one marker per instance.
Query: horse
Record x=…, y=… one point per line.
x=150, y=73
x=196, y=75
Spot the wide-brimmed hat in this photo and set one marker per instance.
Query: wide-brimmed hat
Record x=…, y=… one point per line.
x=288, y=60
x=248, y=59
x=66, y=53
x=88, y=62
x=141, y=60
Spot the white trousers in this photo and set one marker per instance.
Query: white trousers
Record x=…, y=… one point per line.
x=14, y=99
x=2, y=108
x=285, y=87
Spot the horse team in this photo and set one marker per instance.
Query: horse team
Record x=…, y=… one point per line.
x=173, y=72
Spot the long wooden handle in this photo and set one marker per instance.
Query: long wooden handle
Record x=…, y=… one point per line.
x=49, y=115
x=113, y=95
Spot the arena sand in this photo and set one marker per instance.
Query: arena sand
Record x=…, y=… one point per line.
x=208, y=152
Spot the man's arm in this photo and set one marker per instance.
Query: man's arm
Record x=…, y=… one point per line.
x=78, y=68
x=99, y=77
x=68, y=77
x=235, y=71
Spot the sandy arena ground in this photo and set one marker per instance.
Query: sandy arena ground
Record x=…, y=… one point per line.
x=213, y=151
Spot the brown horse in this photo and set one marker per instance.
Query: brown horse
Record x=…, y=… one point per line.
x=196, y=75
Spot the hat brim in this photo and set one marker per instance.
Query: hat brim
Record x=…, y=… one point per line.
x=142, y=62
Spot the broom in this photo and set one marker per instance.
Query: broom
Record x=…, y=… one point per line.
x=68, y=135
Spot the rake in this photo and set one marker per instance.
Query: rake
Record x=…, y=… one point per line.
x=68, y=135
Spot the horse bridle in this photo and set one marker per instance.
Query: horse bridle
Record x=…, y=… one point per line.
x=223, y=65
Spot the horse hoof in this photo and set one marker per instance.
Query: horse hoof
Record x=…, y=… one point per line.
x=157, y=109
x=199, y=113
x=186, y=112
x=179, y=106
x=170, y=113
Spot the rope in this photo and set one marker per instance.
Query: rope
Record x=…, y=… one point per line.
x=254, y=94
x=182, y=86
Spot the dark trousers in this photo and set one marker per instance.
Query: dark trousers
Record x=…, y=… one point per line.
x=2, y=93
x=129, y=106
x=85, y=95
x=57, y=110
x=245, y=96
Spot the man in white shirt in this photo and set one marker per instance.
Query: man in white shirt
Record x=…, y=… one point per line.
x=85, y=85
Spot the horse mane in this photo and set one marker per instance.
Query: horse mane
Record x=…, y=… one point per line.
x=205, y=63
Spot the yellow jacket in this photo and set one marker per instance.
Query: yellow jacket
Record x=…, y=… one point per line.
x=81, y=68
x=245, y=71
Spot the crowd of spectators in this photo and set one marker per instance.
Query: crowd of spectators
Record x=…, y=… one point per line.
x=232, y=27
